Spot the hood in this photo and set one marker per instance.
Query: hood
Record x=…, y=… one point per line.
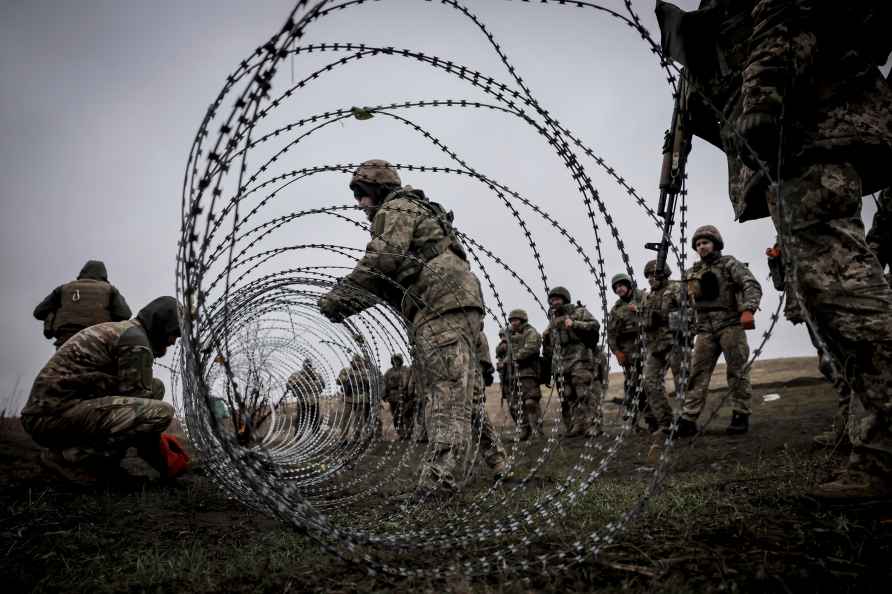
x=160, y=321
x=94, y=269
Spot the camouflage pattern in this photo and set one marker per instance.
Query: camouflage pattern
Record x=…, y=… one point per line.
x=396, y=394
x=623, y=337
x=96, y=396
x=565, y=350
x=361, y=384
x=481, y=425
x=879, y=238
x=378, y=172
x=89, y=300
x=663, y=300
x=729, y=341
x=413, y=247
x=306, y=386
x=526, y=345
x=722, y=288
x=708, y=232
x=446, y=357
x=420, y=401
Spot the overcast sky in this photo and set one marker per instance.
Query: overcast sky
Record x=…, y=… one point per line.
x=100, y=102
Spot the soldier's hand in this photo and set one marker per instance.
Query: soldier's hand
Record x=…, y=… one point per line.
x=330, y=308
x=568, y=323
x=747, y=320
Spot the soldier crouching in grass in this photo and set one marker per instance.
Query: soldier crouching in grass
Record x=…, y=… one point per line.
x=96, y=398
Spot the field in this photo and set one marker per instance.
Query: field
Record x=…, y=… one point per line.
x=735, y=515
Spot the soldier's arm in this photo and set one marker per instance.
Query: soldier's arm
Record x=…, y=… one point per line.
x=118, y=307
x=134, y=359
x=50, y=303
x=752, y=290
x=530, y=347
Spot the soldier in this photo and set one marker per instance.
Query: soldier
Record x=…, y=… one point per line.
x=490, y=444
x=808, y=71
x=660, y=305
x=622, y=338
x=524, y=345
x=396, y=386
x=359, y=382
x=306, y=386
x=89, y=300
x=725, y=296
x=96, y=397
x=415, y=263
x=567, y=347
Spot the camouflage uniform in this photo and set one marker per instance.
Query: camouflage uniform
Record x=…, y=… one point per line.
x=490, y=445
x=415, y=263
x=663, y=300
x=360, y=383
x=622, y=337
x=81, y=303
x=96, y=396
x=817, y=64
x=568, y=351
x=420, y=402
x=879, y=238
x=722, y=288
x=306, y=386
x=524, y=347
x=396, y=386
x=601, y=378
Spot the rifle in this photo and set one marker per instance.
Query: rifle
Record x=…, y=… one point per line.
x=676, y=146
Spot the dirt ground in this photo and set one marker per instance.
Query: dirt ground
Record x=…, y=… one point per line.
x=735, y=515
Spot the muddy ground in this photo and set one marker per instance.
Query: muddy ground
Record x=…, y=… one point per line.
x=735, y=515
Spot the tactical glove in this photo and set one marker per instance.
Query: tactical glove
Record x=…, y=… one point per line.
x=620, y=357
x=747, y=320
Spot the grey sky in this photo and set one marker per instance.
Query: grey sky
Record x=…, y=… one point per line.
x=101, y=100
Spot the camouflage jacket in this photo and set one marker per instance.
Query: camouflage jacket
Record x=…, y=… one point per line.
x=108, y=359
x=306, y=383
x=721, y=289
x=413, y=262
x=817, y=59
x=622, y=325
x=574, y=352
x=396, y=384
x=879, y=238
x=361, y=383
x=525, y=346
x=656, y=308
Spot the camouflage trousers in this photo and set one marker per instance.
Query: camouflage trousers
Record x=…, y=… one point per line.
x=403, y=413
x=731, y=342
x=658, y=362
x=448, y=367
x=103, y=428
x=481, y=425
x=420, y=426
x=633, y=391
x=525, y=402
x=579, y=411
x=843, y=293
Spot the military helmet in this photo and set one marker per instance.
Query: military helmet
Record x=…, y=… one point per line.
x=622, y=277
x=378, y=172
x=708, y=232
x=396, y=358
x=561, y=292
x=519, y=314
x=651, y=268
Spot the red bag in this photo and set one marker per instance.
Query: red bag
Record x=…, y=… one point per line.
x=175, y=456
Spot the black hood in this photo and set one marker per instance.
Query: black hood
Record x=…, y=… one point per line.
x=160, y=321
x=94, y=269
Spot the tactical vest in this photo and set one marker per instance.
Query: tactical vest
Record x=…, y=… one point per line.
x=85, y=302
x=713, y=288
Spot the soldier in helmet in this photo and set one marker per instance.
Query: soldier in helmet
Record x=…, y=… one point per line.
x=659, y=311
x=416, y=263
x=569, y=343
x=89, y=300
x=725, y=296
x=356, y=382
x=622, y=338
x=306, y=387
x=396, y=394
x=96, y=397
x=807, y=130
x=523, y=353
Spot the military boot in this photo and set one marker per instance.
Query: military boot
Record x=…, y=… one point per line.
x=740, y=424
x=855, y=484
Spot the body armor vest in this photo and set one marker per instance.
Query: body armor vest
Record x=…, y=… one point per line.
x=714, y=290
x=85, y=302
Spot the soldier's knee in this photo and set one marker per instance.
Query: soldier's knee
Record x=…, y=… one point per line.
x=158, y=415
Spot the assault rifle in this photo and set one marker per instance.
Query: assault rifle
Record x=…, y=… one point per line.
x=676, y=146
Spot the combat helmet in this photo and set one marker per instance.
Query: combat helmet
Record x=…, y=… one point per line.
x=376, y=171
x=561, y=292
x=651, y=268
x=708, y=232
x=519, y=314
x=396, y=358
x=622, y=277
